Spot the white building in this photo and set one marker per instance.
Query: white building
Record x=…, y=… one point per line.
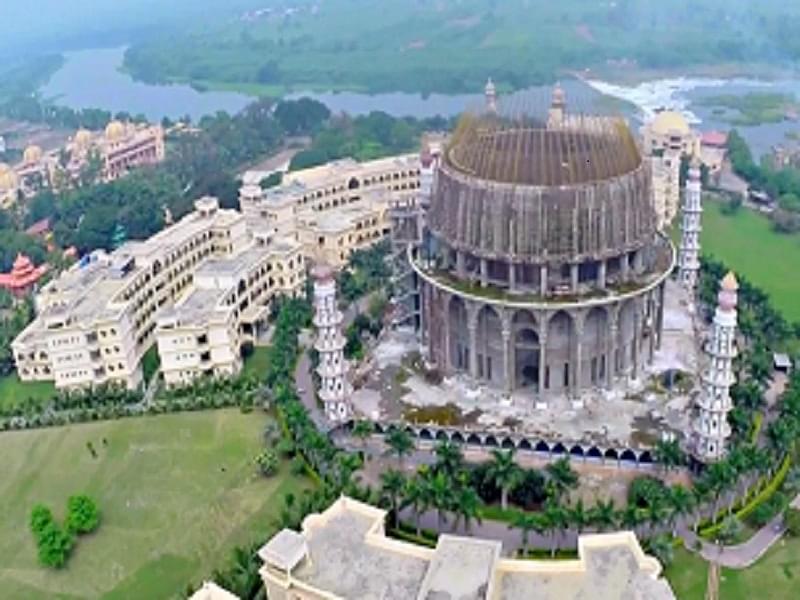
x=689, y=250
x=95, y=321
x=335, y=208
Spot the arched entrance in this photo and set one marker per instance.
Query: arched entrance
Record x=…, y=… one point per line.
x=459, y=334
x=489, y=345
x=527, y=351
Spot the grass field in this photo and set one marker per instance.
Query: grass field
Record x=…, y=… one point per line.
x=177, y=492
x=256, y=363
x=746, y=243
x=14, y=391
x=687, y=575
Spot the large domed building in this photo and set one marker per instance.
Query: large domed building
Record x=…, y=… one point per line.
x=543, y=272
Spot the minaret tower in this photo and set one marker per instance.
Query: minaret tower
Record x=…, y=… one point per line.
x=558, y=107
x=711, y=429
x=490, y=92
x=334, y=390
x=689, y=251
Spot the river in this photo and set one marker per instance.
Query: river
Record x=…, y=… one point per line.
x=92, y=78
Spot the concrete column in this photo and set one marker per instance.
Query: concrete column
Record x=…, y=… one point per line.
x=576, y=379
x=472, y=326
x=660, y=316
x=508, y=371
x=653, y=326
x=484, y=272
x=542, y=354
x=512, y=276
x=637, y=341
x=611, y=342
x=448, y=358
x=461, y=268
x=543, y=280
x=601, y=275
x=624, y=267
x=573, y=275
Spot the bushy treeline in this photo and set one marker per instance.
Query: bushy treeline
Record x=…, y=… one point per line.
x=55, y=543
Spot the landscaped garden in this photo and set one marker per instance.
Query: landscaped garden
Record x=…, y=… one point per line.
x=14, y=392
x=177, y=493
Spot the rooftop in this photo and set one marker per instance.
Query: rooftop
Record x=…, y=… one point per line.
x=349, y=556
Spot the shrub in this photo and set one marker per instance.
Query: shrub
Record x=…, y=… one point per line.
x=82, y=514
x=267, y=463
x=791, y=518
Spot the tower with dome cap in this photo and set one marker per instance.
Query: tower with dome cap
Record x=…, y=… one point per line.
x=710, y=427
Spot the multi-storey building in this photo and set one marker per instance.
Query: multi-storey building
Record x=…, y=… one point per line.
x=96, y=321
x=335, y=208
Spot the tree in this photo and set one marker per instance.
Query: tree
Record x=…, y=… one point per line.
x=682, y=502
x=362, y=430
x=561, y=477
x=440, y=493
x=267, y=462
x=393, y=483
x=527, y=522
x=668, y=454
x=730, y=529
x=603, y=515
x=400, y=444
x=449, y=458
x=83, y=516
x=557, y=520
x=504, y=472
x=662, y=548
x=791, y=519
x=578, y=516
x=466, y=505
x=416, y=495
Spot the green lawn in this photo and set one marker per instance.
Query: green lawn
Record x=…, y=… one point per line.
x=774, y=576
x=256, y=363
x=687, y=574
x=746, y=243
x=14, y=391
x=177, y=492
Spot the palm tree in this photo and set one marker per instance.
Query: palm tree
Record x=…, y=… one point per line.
x=682, y=502
x=658, y=511
x=441, y=496
x=561, y=477
x=392, y=485
x=668, y=454
x=603, y=515
x=527, y=522
x=400, y=444
x=242, y=577
x=504, y=472
x=466, y=505
x=662, y=548
x=631, y=517
x=417, y=497
x=449, y=458
x=362, y=430
x=577, y=516
x=556, y=519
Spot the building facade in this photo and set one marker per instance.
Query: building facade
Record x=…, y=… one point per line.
x=333, y=209
x=665, y=139
x=96, y=320
x=544, y=273
x=689, y=251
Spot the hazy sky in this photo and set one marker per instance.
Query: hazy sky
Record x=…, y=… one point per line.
x=27, y=25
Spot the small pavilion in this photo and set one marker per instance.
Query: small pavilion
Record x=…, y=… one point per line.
x=23, y=276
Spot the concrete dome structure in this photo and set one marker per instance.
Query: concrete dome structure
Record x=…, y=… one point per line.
x=83, y=138
x=115, y=131
x=544, y=271
x=32, y=154
x=670, y=122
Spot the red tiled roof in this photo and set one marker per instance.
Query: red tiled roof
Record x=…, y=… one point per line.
x=714, y=138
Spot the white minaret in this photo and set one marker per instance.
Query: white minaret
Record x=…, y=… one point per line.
x=334, y=390
x=491, y=96
x=711, y=429
x=689, y=251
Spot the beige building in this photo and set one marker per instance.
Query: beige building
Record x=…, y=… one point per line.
x=344, y=553
x=664, y=140
x=118, y=149
x=335, y=208
x=95, y=321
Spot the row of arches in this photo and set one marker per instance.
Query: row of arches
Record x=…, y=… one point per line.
x=542, y=351
x=540, y=446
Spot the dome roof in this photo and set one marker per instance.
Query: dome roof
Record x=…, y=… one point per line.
x=83, y=137
x=32, y=154
x=525, y=152
x=115, y=130
x=729, y=282
x=669, y=121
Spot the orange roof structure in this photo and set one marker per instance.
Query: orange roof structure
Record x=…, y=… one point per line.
x=23, y=275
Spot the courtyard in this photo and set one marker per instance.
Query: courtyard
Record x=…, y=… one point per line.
x=177, y=493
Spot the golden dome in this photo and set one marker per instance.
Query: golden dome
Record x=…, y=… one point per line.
x=32, y=154
x=669, y=122
x=8, y=179
x=115, y=131
x=83, y=138
x=729, y=282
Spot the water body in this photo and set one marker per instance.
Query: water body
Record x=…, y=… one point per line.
x=683, y=95
x=92, y=79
